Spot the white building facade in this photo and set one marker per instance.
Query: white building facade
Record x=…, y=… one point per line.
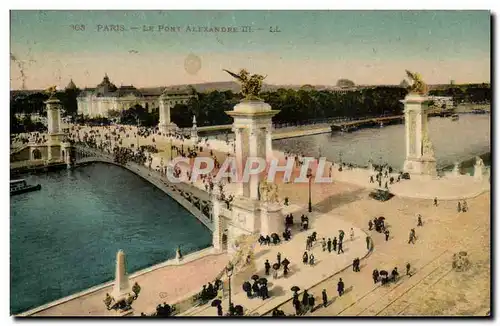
x=107, y=97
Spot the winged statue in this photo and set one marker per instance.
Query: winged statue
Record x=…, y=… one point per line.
x=418, y=85
x=52, y=90
x=250, y=84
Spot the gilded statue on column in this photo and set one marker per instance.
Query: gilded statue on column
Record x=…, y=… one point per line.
x=250, y=84
x=417, y=84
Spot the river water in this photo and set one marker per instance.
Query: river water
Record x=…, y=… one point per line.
x=454, y=141
x=64, y=238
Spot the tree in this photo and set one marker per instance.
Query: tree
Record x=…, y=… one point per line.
x=345, y=83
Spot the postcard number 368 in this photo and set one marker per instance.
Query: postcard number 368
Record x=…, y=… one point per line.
x=78, y=27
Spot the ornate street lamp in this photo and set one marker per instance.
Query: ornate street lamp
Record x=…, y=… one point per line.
x=309, y=176
x=229, y=273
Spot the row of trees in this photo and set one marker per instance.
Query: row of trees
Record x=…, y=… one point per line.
x=295, y=105
x=469, y=93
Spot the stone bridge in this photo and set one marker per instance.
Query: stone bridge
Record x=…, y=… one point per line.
x=195, y=200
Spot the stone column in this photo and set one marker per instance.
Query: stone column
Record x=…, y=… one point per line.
x=478, y=169
x=254, y=148
x=269, y=144
x=218, y=227
x=121, y=287
x=165, y=125
x=419, y=153
x=194, y=130
x=239, y=159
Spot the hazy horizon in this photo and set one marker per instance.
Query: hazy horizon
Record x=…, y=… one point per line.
x=312, y=47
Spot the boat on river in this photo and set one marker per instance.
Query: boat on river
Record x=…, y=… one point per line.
x=20, y=186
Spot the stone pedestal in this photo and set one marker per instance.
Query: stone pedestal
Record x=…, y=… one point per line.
x=165, y=125
x=271, y=219
x=419, y=150
x=456, y=170
x=194, y=131
x=478, y=172
x=121, y=288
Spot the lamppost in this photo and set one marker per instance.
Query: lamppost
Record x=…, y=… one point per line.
x=137, y=120
x=171, y=154
x=229, y=273
x=309, y=175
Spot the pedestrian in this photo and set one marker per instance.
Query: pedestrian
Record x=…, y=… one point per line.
x=285, y=271
x=340, y=248
x=375, y=275
x=305, y=258
x=435, y=201
x=412, y=237
x=340, y=287
x=267, y=267
x=419, y=222
x=325, y=298
x=219, y=310
x=395, y=274
x=311, y=259
x=329, y=245
x=354, y=265
x=367, y=243
x=386, y=235
x=352, y=234
x=278, y=256
x=357, y=265
x=334, y=244
x=408, y=269
x=464, y=206
x=459, y=207
x=296, y=304
x=370, y=225
x=305, y=300
x=286, y=201
x=341, y=235
x=312, y=302
x=323, y=244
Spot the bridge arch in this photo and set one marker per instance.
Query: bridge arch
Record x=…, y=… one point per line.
x=36, y=154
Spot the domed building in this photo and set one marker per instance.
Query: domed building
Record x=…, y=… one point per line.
x=98, y=101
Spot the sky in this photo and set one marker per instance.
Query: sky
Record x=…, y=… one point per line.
x=161, y=48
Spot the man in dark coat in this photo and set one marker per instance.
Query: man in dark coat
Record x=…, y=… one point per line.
x=340, y=287
x=370, y=225
x=387, y=233
x=340, y=248
x=312, y=302
x=305, y=258
x=329, y=245
x=334, y=244
x=375, y=276
x=357, y=265
x=296, y=304
x=367, y=243
x=278, y=256
x=324, y=297
x=267, y=267
x=305, y=300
